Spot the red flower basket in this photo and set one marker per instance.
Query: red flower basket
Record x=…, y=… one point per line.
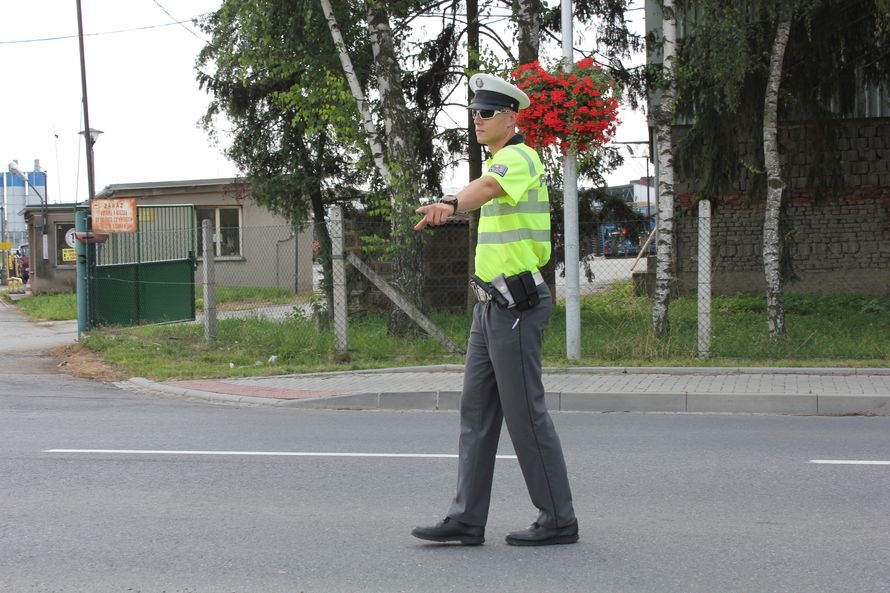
x=574, y=111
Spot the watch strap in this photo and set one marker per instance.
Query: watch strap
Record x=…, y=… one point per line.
x=451, y=201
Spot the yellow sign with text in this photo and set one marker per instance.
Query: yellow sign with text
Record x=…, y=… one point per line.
x=114, y=215
x=5, y=245
x=69, y=254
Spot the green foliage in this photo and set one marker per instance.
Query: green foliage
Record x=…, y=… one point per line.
x=721, y=70
x=271, y=68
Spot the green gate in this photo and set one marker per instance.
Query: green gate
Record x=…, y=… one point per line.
x=147, y=276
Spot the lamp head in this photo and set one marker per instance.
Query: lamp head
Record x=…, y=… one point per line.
x=17, y=171
x=93, y=134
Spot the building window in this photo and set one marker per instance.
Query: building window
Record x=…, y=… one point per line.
x=226, y=224
x=65, y=245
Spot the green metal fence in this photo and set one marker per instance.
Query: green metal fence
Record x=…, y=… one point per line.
x=148, y=276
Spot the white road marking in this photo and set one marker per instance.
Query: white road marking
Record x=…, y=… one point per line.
x=849, y=462
x=261, y=453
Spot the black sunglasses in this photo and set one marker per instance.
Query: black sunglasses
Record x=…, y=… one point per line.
x=487, y=113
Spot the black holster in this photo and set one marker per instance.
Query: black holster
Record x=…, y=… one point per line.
x=524, y=290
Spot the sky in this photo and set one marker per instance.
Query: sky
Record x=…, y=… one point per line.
x=141, y=90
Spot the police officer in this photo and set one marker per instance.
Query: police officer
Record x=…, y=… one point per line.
x=502, y=376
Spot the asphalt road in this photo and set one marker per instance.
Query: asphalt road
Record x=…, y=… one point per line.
x=667, y=502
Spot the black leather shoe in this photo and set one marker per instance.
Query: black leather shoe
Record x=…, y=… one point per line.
x=450, y=530
x=544, y=536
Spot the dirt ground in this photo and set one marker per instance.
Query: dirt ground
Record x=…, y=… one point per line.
x=77, y=361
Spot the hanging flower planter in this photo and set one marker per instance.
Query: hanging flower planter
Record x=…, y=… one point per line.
x=575, y=111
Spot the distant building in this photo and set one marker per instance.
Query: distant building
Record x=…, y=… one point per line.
x=644, y=195
x=639, y=192
x=253, y=247
x=16, y=196
x=625, y=192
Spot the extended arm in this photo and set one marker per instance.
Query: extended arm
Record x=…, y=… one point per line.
x=470, y=198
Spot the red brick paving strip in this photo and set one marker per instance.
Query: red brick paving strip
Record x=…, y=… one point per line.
x=252, y=391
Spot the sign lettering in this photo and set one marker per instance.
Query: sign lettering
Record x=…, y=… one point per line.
x=114, y=215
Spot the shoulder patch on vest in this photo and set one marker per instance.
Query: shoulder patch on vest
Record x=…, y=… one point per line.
x=498, y=170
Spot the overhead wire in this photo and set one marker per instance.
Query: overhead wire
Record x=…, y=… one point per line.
x=178, y=22
x=101, y=33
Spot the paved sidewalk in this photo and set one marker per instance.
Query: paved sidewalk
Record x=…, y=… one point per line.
x=20, y=335
x=828, y=391
x=609, y=389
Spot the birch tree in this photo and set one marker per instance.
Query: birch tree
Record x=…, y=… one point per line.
x=527, y=16
x=772, y=239
x=664, y=142
x=735, y=85
x=395, y=159
x=401, y=145
x=355, y=87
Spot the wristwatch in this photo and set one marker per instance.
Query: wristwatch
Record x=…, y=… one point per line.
x=451, y=201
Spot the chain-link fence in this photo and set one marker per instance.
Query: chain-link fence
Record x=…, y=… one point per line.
x=276, y=272
x=340, y=273
x=266, y=272
x=616, y=257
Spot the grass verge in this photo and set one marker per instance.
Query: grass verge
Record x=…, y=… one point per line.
x=835, y=331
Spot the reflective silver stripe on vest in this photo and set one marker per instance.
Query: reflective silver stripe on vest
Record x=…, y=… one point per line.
x=502, y=237
x=532, y=206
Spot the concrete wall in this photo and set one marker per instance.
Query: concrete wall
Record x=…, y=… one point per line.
x=838, y=244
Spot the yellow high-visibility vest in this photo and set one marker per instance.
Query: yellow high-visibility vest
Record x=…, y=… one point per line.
x=514, y=229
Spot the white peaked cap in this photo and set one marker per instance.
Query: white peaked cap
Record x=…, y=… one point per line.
x=491, y=92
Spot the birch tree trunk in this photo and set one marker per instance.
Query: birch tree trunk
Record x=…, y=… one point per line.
x=526, y=15
x=663, y=134
x=398, y=131
x=406, y=184
x=396, y=163
x=356, y=88
x=772, y=239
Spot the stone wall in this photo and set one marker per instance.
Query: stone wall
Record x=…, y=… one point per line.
x=838, y=244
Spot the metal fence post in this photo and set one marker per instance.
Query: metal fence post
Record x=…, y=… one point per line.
x=82, y=267
x=338, y=263
x=209, y=282
x=704, y=278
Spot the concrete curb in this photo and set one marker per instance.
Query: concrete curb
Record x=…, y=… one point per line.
x=144, y=385
x=623, y=370
x=811, y=404
x=830, y=371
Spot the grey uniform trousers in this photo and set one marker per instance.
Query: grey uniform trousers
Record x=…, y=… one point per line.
x=502, y=382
